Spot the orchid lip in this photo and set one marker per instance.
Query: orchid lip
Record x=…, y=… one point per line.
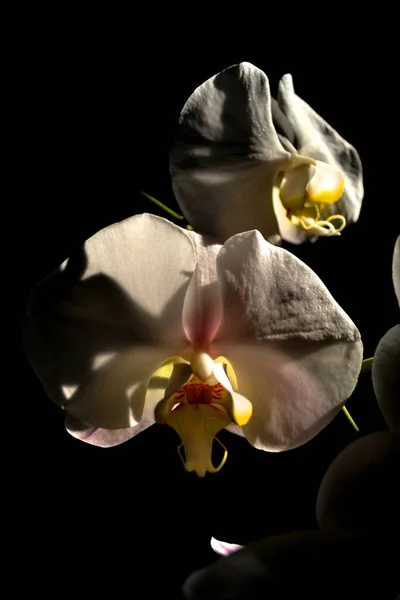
x=306, y=191
x=200, y=408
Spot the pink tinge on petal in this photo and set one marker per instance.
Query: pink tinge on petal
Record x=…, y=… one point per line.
x=202, y=309
x=224, y=548
x=123, y=291
x=295, y=388
x=114, y=395
x=104, y=438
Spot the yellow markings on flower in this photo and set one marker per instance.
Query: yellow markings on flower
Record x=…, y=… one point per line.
x=196, y=420
x=166, y=368
x=238, y=407
x=199, y=392
x=197, y=425
x=201, y=407
x=326, y=185
x=309, y=219
x=306, y=191
x=229, y=371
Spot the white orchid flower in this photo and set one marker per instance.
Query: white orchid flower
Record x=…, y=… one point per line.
x=243, y=160
x=150, y=322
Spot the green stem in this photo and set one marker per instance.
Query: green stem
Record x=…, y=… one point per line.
x=350, y=418
x=161, y=205
x=366, y=365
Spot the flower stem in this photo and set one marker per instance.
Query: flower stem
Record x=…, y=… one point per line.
x=350, y=418
x=161, y=205
x=366, y=365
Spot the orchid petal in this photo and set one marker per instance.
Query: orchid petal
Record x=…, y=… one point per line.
x=233, y=428
x=126, y=287
x=107, y=438
x=202, y=309
x=227, y=155
x=295, y=388
x=237, y=406
x=114, y=395
x=317, y=139
x=287, y=340
x=98, y=436
x=396, y=269
x=386, y=377
x=269, y=294
x=224, y=548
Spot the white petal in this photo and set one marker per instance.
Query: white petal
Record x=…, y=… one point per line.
x=126, y=286
x=224, y=548
x=269, y=294
x=202, y=310
x=106, y=438
x=98, y=436
x=228, y=154
x=296, y=388
x=113, y=396
x=151, y=261
x=317, y=139
x=396, y=269
x=295, y=352
x=233, y=428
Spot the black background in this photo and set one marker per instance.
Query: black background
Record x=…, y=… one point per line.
x=96, y=117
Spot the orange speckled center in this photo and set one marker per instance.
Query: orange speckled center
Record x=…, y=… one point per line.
x=199, y=392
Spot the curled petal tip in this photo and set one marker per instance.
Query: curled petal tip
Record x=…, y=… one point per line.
x=224, y=548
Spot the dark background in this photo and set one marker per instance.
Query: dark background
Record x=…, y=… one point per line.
x=97, y=120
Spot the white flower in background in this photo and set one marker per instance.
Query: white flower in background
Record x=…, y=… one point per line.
x=150, y=322
x=224, y=548
x=243, y=160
